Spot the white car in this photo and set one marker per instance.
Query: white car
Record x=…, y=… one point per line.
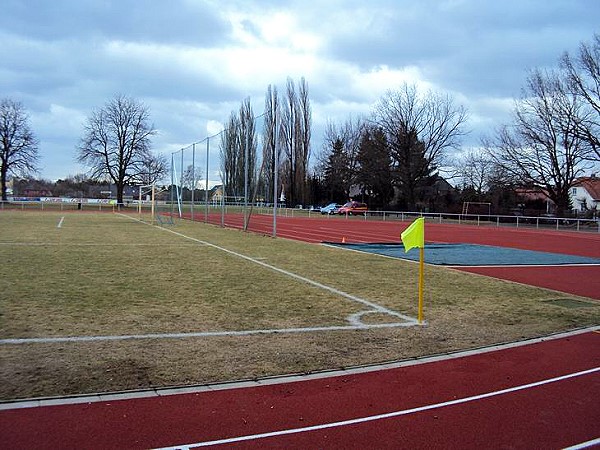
x=332, y=208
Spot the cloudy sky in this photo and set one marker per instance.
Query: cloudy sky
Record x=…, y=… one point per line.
x=193, y=61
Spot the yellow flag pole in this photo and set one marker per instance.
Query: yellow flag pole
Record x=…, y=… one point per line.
x=411, y=237
x=421, y=273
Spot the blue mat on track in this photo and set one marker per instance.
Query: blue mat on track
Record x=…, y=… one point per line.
x=471, y=255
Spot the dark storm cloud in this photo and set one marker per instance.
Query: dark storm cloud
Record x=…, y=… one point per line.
x=180, y=22
x=470, y=46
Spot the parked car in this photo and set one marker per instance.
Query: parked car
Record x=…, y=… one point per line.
x=353, y=208
x=332, y=208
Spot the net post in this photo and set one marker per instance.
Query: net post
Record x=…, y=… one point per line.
x=421, y=281
x=152, y=207
x=206, y=185
x=193, y=181
x=140, y=203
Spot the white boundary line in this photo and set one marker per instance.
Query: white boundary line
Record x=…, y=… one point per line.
x=90, y=244
x=229, y=385
x=305, y=280
x=383, y=416
x=353, y=319
x=60, y=222
x=333, y=290
x=122, y=337
x=586, y=444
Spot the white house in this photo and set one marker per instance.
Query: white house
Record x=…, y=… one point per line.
x=585, y=194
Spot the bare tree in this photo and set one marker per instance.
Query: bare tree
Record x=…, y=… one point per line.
x=18, y=145
x=475, y=170
x=270, y=148
x=583, y=81
x=230, y=166
x=541, y=148
x=247, y=145
x=155, y=168
x=239, y=152
x=304, y=134
x=419, y=129
x=188, y=177
x=294, y=136
x=116, y=142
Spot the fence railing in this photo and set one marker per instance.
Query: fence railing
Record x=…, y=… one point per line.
x=57, y=206
x=537, y=222
x=557, y=223
x=540, y=222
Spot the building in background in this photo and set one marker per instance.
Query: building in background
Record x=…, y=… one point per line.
x=585, y=195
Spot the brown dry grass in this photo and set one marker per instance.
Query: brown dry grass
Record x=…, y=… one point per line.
x=103, y=274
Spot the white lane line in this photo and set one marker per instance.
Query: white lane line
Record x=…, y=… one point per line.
x=381, y=416
x=92, y=244
x=333, y=290
x=586, y=444
x=200, y=334
x=60, y=222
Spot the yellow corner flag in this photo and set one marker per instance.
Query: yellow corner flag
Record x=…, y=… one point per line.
x=414, y=236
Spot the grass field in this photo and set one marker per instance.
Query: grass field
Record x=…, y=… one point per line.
x=241, y=306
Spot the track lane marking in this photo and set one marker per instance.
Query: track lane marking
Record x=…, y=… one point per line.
x=586, y=444
x=381, y=416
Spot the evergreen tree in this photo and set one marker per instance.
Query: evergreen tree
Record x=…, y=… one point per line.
x=374, y=173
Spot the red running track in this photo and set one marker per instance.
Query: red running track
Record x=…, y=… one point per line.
x=552, y=415
x=578, y=280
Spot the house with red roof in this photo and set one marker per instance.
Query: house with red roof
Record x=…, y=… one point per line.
x=585, y=194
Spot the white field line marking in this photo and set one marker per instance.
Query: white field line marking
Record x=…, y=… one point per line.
x=333, y=290
x=123, y=337
x=286, y=379
x=586, y=444
x=382, y=416
x=99, y=244
x=60, y=222
x=354, y=319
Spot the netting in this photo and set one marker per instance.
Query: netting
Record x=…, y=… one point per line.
x=474, y=208
x=227, y=177
x=150, y=206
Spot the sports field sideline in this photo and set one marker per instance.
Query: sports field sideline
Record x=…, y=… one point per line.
x=91, y=295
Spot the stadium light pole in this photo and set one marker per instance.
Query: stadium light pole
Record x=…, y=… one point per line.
x=206, y=186
x=172, y=180
x=181, y=187
x=193, y=178
x=246, y=183
x=275, y=180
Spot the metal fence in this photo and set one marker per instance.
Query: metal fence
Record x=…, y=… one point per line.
x=203, y=211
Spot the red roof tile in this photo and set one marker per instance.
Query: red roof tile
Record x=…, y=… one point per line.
x=590, y=184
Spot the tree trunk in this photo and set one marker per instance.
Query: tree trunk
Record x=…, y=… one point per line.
x=120, y=187
x=3, y=182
